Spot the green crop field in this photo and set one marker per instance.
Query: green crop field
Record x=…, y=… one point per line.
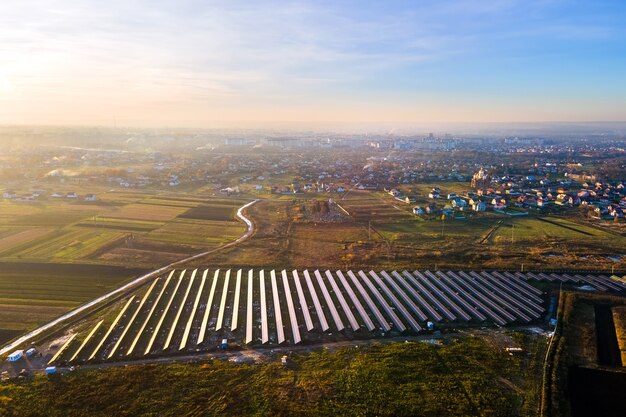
x=198, y=232
x=32, y=294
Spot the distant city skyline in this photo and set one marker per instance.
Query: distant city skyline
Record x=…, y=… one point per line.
x=265, y=64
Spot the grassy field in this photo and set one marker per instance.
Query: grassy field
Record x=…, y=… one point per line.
x=467, y=376
x=382, y=233
x=32, y=294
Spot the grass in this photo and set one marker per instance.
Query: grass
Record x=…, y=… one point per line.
x=466, y=376
x=148, y=212
x=215, y=211
x=19, y=237
x=198, y=232
x=383, y=234
x=34, y=293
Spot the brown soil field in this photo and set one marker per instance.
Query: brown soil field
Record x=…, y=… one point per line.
x=22, y=237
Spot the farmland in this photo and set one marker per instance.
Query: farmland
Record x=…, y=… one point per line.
x=69, y=231
x=35, y=293
x=58, y=253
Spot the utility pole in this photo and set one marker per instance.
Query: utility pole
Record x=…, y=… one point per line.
x=443, y=223
x=512, y=230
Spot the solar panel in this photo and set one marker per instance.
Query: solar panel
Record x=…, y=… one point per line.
x=441, y=293
x=370, y=303
x=405, y=313
x=513, y=295
x=62, y=349
x=342, y=301
x=355, y=301
x=208, y=308
x=160, y=323
x=181, y=307
x=403, y=295
x=412, y=282
x=183, y=342
x=249, y=312
x=87, y=339
x=132, y=320
x=515, y=283
x=493, y=294
x=465, y=306
x=434, y=315
x=220, y=314
x=381, y=301
x=280, y=331
x=423, y=284
x=233, y=323
x=329, y=301
x=303, y=304
x=292, y=311
x=112, y=327
x=264, y=330
x=316, y=302
x=449, y=278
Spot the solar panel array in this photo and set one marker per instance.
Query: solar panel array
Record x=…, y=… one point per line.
x=188, y=311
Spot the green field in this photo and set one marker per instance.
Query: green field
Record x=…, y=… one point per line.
x=32, y=294
x=469, y=376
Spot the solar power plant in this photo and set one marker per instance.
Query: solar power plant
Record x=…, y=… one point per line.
x=188, y=311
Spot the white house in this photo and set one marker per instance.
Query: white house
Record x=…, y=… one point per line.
x=479, y=206
x=459, y=203
x=91, y=197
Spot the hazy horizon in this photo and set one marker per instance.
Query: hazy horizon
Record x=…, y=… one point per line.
x=304, y=64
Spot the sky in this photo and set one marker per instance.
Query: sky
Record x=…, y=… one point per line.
x=272, y=63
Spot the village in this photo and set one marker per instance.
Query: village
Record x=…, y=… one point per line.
x=436, y=175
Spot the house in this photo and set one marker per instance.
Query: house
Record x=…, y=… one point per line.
x=448, y=211
x=418, y=210
x=258, y=187
x=9, y=194
x=91, y=197
x=451, y=196
x=434, y=193
x=479, y=206
x=543, y=202
x=459, y=203
x=72, y=194
x=58, y=195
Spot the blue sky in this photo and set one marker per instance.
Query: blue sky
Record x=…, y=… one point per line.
x=230, y=63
